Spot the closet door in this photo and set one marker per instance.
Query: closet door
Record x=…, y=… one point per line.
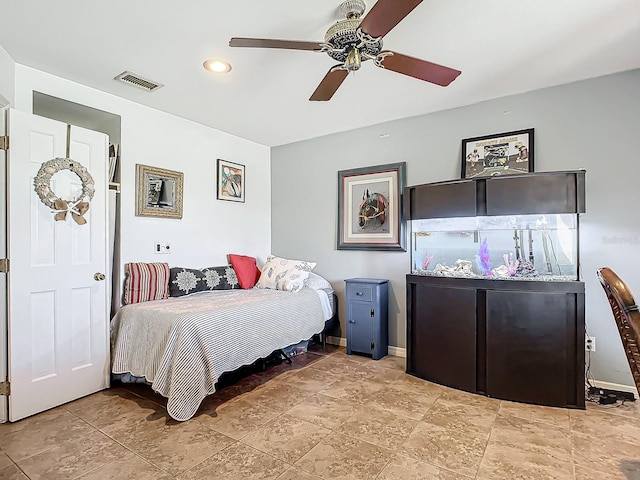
x=58, y=320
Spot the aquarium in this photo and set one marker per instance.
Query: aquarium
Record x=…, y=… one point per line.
x=509, y=247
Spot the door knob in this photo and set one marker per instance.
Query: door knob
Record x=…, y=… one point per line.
x=98, y=277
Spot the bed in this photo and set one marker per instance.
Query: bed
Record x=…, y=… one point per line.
x=182, y=345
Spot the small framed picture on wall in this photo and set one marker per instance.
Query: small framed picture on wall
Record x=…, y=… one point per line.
x=230, y=181
x=508, y=153
x=158, y=192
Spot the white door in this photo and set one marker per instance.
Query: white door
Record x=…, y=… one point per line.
x=58, y=323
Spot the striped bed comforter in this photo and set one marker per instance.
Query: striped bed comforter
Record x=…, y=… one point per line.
x=182, y=345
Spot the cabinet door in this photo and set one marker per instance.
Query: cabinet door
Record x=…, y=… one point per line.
x=451, y=199
x=443, y=335
x=532, y=194
x=360, y=331
x=531, y=347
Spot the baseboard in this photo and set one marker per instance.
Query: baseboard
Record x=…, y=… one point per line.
x=616, y=386
x=395, y=351
x=398, y=351
x=337, y=341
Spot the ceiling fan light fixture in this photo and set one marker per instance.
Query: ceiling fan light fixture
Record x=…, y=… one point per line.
x=353, y=61
x=344, y=36
x=215, y=65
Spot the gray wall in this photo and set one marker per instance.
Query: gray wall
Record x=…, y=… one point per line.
x=592, y=124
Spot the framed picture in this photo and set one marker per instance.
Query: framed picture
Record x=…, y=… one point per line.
x=230, y=181
x=370, y=208
x=508, y=153
x=158, y=192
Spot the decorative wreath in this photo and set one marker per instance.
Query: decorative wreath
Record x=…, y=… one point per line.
x=42, y=184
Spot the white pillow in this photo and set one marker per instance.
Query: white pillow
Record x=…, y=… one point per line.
x=276, y=269
x=293, y=281
x=317, y=282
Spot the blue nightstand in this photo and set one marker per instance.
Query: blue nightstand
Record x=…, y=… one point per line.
x=367, y=316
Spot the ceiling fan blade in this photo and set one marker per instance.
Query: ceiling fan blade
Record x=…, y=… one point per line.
x=420, y=69
x=385, y=15
x=329, y=84
x=272, y=43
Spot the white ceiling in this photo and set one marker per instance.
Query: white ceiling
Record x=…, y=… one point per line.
x=502, y=47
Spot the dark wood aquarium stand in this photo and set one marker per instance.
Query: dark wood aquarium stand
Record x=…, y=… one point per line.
x=514, y=340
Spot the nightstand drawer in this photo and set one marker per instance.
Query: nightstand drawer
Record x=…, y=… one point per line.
x=360, y=292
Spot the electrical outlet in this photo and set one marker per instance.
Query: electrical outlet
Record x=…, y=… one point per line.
x=590, y=344
x=162, y=247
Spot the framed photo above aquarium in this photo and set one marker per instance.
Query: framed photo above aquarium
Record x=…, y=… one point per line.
x=230, y=181
x=370, y=208
x=158, y=192
x=508, y=153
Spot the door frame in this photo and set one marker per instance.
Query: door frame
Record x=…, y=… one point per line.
x=4, y=412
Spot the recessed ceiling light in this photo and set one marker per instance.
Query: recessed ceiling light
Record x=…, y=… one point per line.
x=217, y=66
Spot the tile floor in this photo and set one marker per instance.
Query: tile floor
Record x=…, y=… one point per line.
x=329, y=416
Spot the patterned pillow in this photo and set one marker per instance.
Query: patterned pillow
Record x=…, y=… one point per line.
x=283, y=274
x=293, y=281
x=144, y=282
x=184, y=281
x=221, y=278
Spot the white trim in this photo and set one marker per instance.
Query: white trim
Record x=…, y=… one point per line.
x=395, y=351
x=398, y=351
x=4, y=410
x=337, y=341
x=616, y=386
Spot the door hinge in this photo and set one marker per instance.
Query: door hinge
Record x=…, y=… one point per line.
x=4, y=265
x=5, y=388
x=4, y=142
x=372, y=346
x=373, y=313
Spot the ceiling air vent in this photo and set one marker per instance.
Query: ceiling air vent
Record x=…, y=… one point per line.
x=138, y=81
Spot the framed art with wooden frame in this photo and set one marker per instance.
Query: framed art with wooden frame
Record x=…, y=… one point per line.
x=508, y=153
x=158, y=192
x=370, y=208
x=230, y=181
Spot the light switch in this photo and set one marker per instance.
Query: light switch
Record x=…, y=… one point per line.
x=162, y=247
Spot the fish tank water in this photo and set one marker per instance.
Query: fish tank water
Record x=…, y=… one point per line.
x=510, y=247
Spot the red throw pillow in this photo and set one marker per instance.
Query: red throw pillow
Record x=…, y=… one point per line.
x=246, y=269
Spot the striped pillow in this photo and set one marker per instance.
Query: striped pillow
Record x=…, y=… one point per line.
x=145, y=281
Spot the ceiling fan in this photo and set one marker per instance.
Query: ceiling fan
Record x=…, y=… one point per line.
x=354, y=40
